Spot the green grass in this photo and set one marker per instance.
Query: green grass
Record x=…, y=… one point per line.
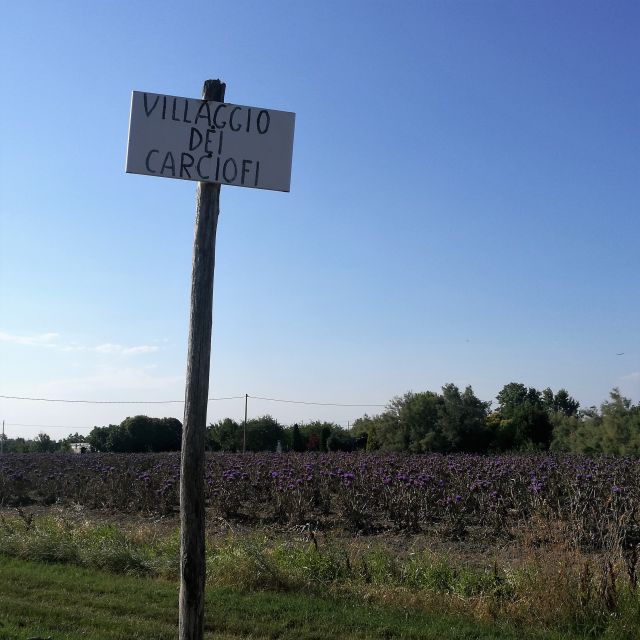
x=290, y=587
x=67, y=602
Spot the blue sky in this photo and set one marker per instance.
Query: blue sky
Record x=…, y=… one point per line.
x=464, y=205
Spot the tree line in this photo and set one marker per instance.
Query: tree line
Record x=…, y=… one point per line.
x=525, y=419
x=449, y=421
x=133, y=435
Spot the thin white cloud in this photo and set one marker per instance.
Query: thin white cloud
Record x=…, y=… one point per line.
x=143, y=348
x=38, y=340
x=50, y=340
x=119, y=349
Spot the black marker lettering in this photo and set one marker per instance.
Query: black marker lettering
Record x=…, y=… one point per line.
x=199, y=168
x=146, y=162
x=233, y=111
x=203, y=107
x=186, y=112
x=173, y=111
x=227, y=162
x=169, y=164
x=215, y=116
x=220, y=143
x=217, y=169
x=248, y=121
x=265, y=113
x=195, y=132
x=148, y=111
x=183, y=164
x=255, y=184
x=245, y=169
x=207, y=141
x=164, y=107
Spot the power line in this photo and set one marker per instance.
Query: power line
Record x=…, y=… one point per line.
x=322, y=404
x=110, y=401
x=45, y=426
x=304, y=402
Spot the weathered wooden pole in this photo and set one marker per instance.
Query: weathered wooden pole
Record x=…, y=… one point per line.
x=244, y=426
x=192, y=512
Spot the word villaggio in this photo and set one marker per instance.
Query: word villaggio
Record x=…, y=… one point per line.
x=203, y=165
x=262, y=120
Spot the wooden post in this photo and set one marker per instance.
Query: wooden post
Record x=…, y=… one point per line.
x=244, y=426
x=192, y=512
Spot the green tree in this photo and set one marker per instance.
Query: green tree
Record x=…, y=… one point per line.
x=561, y=402
x=225, y=435
x=263, y=434
x=341, y=440
x=44, y=444
x=410, y=423
x=524, y=421
x=418, y=416
x=297, y=442
x=366, y=428
x=514, y=395
x=462, y=420
x=98, y=438
x=316, y=434
x=138, y=434
x=118, y=439
x=620, y=425
x=569, y=433
x=18, y=445
x=381, y=432
x=612, y=429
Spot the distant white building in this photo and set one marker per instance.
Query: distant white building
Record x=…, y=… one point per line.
x=80, y=447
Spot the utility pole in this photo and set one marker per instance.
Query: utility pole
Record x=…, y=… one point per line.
x=192, y=512
x=244, y=428
x=2, y=439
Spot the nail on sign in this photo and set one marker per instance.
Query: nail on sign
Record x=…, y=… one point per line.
x=209, y=141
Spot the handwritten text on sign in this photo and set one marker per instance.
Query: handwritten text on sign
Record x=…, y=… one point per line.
x=209, y=141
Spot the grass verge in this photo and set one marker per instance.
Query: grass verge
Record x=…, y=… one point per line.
x=553, y=590
x=73, y=603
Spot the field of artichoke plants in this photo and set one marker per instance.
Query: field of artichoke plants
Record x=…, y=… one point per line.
x=596, y=499
x=541, y=540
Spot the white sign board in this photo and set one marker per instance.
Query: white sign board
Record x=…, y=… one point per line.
x=209, y=141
